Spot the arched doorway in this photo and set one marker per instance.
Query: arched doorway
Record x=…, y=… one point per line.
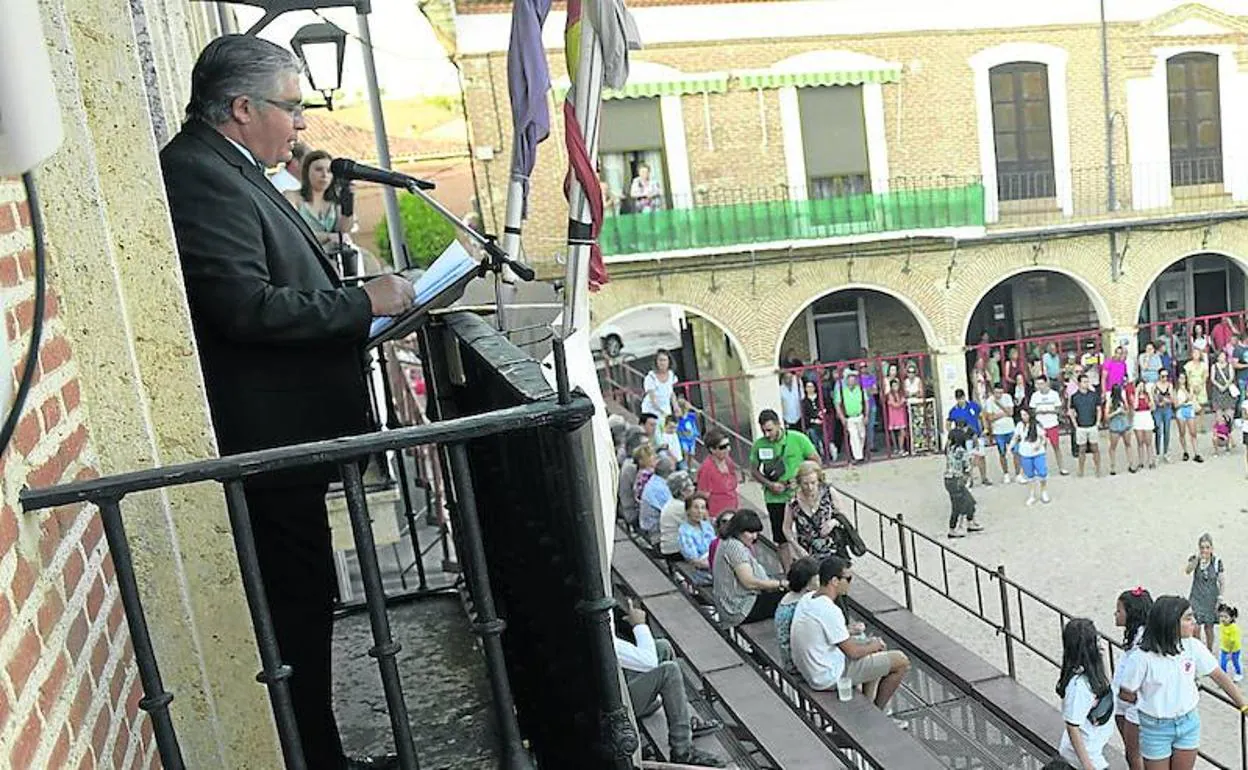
x=707, y=358
x=875, y=337
x=1199, y=290
x=1039, y=322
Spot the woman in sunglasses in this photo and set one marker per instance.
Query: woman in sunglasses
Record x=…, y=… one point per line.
x=718, y=477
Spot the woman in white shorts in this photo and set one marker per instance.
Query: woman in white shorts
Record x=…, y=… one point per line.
x=1131, y=615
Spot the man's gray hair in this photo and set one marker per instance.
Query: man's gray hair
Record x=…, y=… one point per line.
x=232, y=66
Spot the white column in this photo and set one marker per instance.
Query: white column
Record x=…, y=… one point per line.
x=1059, y=125
x=949, y=362
x=1148, y=120
x=877, y=137
x=1233, y=89
x=676, y=151
x=764, y=384
x=987, y=142
x=794, y=154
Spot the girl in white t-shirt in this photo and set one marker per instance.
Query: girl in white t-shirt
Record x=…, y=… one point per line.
x=1161, y=681
x=1087, y=699
x=659, y=387
x=1029, y=442
x=1130, y=615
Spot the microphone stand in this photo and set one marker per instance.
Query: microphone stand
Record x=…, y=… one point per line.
x=498, y=259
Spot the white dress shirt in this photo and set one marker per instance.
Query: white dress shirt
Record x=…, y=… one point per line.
x=640, y=657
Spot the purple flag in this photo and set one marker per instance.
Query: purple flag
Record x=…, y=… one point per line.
x=528, y=80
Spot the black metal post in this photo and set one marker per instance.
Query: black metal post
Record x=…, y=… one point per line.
x=619, y=735
x=1005, y=622
x=905, y=561
x=273, y=672
x=385, y=649
x=155, y=699
x=489, y=625
x=393, y=422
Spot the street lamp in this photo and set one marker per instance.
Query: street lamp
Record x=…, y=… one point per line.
x=320, y=47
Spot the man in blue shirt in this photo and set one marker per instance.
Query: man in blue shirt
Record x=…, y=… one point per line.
x=966, y=413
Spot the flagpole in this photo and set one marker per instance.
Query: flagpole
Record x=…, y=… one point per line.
x=587, y=105
x=513, y=222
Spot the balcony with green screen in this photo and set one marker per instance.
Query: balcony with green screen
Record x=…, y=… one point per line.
x=729, y=218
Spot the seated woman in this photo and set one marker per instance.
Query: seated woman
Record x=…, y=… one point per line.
x=317, y=202
x=744, y=593
x=803, y=578
x=695, y=536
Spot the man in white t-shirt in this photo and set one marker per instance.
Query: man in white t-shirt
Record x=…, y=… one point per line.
x=821, y=646
x=1046, y=405
x=999, y=413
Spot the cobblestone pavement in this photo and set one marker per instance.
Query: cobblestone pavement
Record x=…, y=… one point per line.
x=444, y=681
x=1098, y=537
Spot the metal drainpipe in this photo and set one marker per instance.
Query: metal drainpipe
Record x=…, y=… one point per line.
x=1111, y=187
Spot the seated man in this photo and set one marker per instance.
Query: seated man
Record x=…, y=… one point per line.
x=651, y=670
x=655, y=494
x=823, y=650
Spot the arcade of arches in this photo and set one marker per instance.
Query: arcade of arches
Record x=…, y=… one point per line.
x=828, y=307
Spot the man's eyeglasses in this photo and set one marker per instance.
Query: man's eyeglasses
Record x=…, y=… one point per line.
x=292, y=108
x=722, y=446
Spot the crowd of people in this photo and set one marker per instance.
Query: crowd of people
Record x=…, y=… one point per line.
x=697, y=517
x=1022, y=407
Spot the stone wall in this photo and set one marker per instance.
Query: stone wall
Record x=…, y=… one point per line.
x=118, y=389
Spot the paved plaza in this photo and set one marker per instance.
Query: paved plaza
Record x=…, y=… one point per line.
x=1097, y=537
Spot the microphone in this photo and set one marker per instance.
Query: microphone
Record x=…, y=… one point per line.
x=347, y=170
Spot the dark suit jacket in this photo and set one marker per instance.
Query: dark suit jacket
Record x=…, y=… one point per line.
x=280, y=339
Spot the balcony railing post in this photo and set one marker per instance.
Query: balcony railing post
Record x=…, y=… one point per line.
x=595, y=605
x=905, y=561
x=1006, y=625
x=155, y=699
x=405, y=492
x=384, y=649
x=273, y=674
x=489, y=626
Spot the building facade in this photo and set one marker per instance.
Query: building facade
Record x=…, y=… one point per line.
x=823, y=177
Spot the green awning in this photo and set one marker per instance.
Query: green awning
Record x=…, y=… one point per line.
x=714, y=83
x=768, y=79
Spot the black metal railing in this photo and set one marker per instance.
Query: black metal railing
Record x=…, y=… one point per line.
x=1009, y=609
x=609, y=740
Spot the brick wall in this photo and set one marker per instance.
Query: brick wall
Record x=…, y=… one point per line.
x=69, y=689
x=930, y=114
x=891, y=327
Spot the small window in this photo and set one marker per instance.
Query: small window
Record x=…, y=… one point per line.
x=1195, y=119
x=834, y=141
x=1022, y=131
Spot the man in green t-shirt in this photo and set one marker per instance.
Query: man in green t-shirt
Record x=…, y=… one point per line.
x=792, y=447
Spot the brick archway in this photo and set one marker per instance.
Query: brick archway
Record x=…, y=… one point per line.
x=1100, y=305
x=930, y=337
x=738, y=349
x=1140, y=291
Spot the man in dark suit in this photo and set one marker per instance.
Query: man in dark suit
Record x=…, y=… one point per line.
x=280, y=340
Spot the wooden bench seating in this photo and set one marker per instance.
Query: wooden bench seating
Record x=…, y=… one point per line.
x=741, y=689
x=858, y=722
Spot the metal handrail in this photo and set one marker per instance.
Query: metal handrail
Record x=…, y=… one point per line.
x=908, y=537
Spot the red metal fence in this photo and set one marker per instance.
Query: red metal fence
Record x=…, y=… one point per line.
x=1179, y=333
x=911, y=427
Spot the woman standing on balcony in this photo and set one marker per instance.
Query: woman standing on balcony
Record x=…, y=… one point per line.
x=718, y=477
x=659, y=386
